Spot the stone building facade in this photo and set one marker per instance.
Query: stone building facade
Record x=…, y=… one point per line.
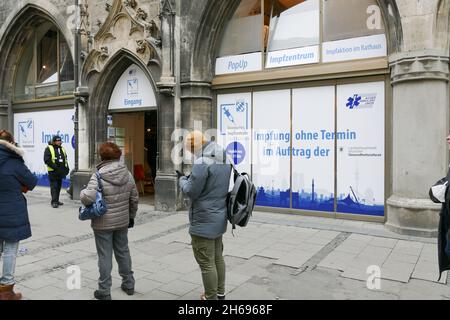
x=175, y=44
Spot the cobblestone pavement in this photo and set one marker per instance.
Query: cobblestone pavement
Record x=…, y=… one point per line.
x=277, y=256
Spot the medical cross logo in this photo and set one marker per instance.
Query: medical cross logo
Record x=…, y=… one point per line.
x=361, y=101
x=353, y=102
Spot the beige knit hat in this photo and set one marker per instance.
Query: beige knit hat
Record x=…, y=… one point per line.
x=195, y=141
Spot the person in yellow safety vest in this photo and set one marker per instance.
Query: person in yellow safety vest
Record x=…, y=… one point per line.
x=55, y=157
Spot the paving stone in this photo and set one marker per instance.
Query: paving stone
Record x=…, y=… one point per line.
x=397, y=271
x=158, y=295
x=146, y=285
x=178, y=287
x=337, y=260
x=295, y=260
x=399, y=257
x=164, y=276
x=39, y=282
x=383, y=242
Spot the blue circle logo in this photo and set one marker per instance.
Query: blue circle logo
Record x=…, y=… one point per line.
x=236, y=151
x=73, y=142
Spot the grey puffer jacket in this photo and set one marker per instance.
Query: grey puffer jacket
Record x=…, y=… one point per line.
x=120, y=193
x=207, y=188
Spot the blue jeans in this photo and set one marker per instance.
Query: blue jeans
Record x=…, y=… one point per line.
x=8, y=253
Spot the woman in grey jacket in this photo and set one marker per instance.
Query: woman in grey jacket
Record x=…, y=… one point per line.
x=111, y=229
x=207, y=188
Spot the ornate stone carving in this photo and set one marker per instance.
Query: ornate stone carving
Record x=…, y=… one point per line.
x=131, y=3
x=123, y=26
x=166, y=86
x=167, y=9
x=107, y=7
x=104, y=52
x=141, y=14
x=140, y=46
x=413, y=66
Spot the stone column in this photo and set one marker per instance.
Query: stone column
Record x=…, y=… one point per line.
x=4, y=116
x=420, y=126
x=167, y=195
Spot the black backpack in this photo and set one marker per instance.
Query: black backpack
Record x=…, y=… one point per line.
x=241, y=199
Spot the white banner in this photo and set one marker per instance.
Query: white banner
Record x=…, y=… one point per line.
x=33, y=131
x=361, y=148
x=241, y=63
x=313, y=150
x=133, y=90
x=271, y=147
x=353, y=49
x=292, y=57
x=234, y=128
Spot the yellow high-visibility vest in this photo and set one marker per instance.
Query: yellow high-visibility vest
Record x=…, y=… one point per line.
x=53, y=153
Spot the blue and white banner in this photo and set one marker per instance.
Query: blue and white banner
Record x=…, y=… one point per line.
x=33, y=131
x=313, y=149
x=292, y=57
x=361, y=149
x=271, y=147
x=353, y=49
x=234, y=128
x=240, y=63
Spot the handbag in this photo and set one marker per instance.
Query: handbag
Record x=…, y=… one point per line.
x=98, y=208
x=438, y=190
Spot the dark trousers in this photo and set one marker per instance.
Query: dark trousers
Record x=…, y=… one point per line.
x=108, y=242
x=55, y=186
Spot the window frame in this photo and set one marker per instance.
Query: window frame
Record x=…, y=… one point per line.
x=265, y=52
x=34, y=66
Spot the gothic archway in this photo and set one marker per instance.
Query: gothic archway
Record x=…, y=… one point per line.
x=102, y=85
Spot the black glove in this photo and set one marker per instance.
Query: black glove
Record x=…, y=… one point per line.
x=179, y=174
x=131, y=223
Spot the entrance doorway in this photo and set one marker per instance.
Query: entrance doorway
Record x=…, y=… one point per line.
x=136, y=134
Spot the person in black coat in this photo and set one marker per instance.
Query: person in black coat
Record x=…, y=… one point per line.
x=55, y=157
x=16, y=179
x=444, y=230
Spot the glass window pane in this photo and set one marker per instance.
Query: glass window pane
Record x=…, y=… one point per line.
x=47, y=52
x=66, y=68
x=294, y=24
x=243, y=33
x=24, y=88
x=47, y=69
x=362, y=18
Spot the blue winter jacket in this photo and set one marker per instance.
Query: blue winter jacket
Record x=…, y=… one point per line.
x=207, y=188
x=14, y=174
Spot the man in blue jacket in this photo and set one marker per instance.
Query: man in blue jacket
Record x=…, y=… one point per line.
x=207, y=188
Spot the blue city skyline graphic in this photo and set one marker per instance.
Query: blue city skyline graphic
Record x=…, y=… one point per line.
x=313, y=201
x=44, y=181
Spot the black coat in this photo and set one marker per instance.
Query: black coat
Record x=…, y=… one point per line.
x=14, y=175
x=444, y=233
x=60, y=170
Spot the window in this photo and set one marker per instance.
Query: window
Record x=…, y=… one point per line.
x=284, y=33
x=45, y=67
x=294, y=24
x=243, y=32
x=366, y=19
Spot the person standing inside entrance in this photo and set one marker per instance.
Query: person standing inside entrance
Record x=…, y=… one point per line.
x=207, y=188
x=55, y=157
